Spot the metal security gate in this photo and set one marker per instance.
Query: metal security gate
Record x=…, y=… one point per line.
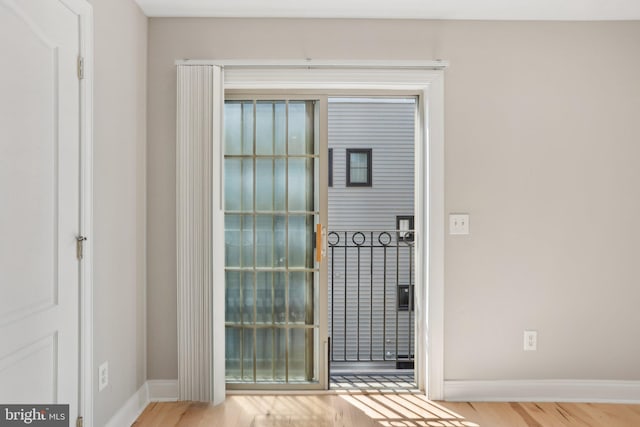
x=371, y=299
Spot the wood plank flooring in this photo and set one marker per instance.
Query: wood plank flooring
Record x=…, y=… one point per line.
x=381, y=410
x=548, y=414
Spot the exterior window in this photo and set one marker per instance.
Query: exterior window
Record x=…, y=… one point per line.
x=330, y=167
x=359, y=167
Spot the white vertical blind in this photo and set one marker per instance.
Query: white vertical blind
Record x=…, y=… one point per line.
x=199, y=212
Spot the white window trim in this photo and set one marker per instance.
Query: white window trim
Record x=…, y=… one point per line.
x=427, y=79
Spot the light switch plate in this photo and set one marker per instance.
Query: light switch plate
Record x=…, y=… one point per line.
x=459, y=224
x=103, y=376
x=530, y=340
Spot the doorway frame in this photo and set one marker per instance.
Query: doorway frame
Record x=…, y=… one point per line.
x=427, y=79
x=404, y=94
x=84, y=10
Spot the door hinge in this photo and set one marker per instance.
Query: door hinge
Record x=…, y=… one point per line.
x=79, y=422
x=80, y=67
x=80, y=246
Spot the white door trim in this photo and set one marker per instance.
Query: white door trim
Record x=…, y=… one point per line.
x=437, y=64
x=426, y=78
x=431, y=258
x=84, y=11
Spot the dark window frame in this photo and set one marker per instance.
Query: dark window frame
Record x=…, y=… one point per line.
x=369, y=153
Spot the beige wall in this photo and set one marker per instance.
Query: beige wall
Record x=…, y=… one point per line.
x=119, y=238
x=542, y=145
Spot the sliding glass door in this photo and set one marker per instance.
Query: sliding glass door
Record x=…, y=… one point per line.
x=272, y=171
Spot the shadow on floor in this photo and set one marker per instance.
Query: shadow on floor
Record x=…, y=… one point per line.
x=388, y=382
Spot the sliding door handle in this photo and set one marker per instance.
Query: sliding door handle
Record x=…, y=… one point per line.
x=321, y=242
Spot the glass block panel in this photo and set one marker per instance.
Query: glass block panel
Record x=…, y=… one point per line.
x=247, y=128
x=232, y=184
x=270, y=240
x=232, y=303
x=238, y=184
x=264, y=185
x=248, y=298
x=300, y=127
x=232, y=239
x=232, y=127
x=316, y=298
x=301, y=241
x=247, y=186
x=280, y=127
x=247, y=353
x=260, y=232
x=232, y=353
x=279, y=299
x=300, y=303
x=280, y=185
x=264, y=297
x=264, y=354
x=264, y=127
x=246, y=246
x=279, y=353
x=264, y=240
x=301, y=184
x=297, y=354
x=280, y=235
x=316, y=179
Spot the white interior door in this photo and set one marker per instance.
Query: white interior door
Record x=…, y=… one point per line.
x=39, y=203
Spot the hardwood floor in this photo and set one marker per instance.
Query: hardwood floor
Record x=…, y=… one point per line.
x=549, y=414
x=382, y=410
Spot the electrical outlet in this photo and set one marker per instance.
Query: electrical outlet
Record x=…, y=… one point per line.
x=103, y=376
x=530, y=340
x=458, y=223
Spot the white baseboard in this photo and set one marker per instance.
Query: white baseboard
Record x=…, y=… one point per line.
x=593, y=391
x=151, y=391
x=131, y=409
x=163, y=390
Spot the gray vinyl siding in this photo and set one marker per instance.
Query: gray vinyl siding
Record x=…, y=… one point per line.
x=388, y=129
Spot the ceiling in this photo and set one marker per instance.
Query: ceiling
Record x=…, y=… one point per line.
x=572, y=10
